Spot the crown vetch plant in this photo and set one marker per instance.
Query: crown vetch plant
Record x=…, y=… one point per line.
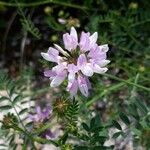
x=79, y=128
x=77, y=61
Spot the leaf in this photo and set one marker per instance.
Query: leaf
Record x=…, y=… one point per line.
x=16, y=99
x=116, y=124
x=29, y=124
x=85, y=126
x=92, y=123
x=23, y=111
x=6, y=107
x=117, y=134
x=64, y=138
x=29, y=26
x=124, y=118
x=11, y=92
x=133, y=111
x=3, y=98
x=136, y=131
x=95, y=122
x=141, y=106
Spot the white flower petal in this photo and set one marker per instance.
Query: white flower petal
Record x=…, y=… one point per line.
x=73, y=33
x=93, y=39
x=104, y=48
x=98, y=69
x=83, y=86
x=87, y=70
x=46, y=56
x=57, y=81
x=61, y=50
x=81, y=60
x=103, y=63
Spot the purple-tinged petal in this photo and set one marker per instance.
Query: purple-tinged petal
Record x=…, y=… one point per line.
x=88, y=83
x=73, y=33
x=81, y=61
x=67, y=41
x=93, y=39
x=72, y=87
x=46, y=56
x=49, y=134
x=104, y=48
x=84, y=42
x=46, y=112
x=38, y=110
x=60, y=68
x=49, y=73
x=87, y=69
x=61, y=50
x=72, y=68
x=53, y=52
x=51, y=55
x=83, y=85
x=58, y=79
x=103, y=63
x=98, y=69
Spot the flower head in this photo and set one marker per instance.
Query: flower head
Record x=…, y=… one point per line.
x=41, y=114
x=79, y=61
x=40, y=117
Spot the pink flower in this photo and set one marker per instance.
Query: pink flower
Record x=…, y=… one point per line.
x=42, y=116
x=77, y=61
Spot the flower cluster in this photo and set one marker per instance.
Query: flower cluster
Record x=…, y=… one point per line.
x=40, y=117
x=80, y=60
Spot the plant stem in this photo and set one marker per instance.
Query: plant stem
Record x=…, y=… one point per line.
x=32, y=4
x=127, y=82
x=106, y=91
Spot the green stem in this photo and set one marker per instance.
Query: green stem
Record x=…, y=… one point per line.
x=37, y=139
x=106, y=91
x=45, y=141
x=127, y=82
x=32, y=4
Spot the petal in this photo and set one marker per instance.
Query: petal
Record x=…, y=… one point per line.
x=71, y=76
x=72, y=87
x=72, y=68
x=58, y=79
x=87, y=70
x=81, y=60
x=61, y=50
x=98, y=69
x=73, y=33
x=93, y=39
x=104, y=48
x=53, y=52
x=49, y=134
x=88, y=83
x=49, y=73
x=46, y=112
x=46, y=56
x=83, y=86
x=103, y=63
x=62, y=21
x=84, y=42
x=38, y=110
x=67, y=41
x=60, y=68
